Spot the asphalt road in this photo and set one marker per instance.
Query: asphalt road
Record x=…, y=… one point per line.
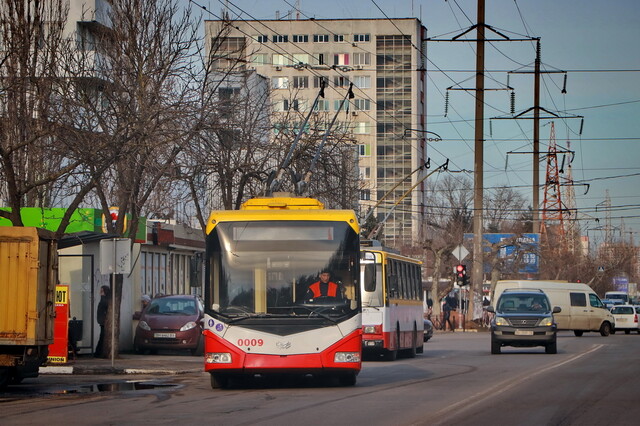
x=593, y=380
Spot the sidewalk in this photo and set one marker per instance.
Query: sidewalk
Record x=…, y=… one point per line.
x=129, y=364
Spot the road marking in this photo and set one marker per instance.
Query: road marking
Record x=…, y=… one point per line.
x=505, y=385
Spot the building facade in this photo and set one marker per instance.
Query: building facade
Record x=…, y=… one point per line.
x=384, y=59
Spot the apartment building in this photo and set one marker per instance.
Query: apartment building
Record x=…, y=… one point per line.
x=384, y=59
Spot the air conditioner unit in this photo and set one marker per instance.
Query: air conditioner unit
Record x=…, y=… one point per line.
x=278, y=68
x=358, y=67
x=354, y=113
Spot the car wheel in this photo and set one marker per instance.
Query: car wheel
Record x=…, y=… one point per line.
x=551, y=348
x=606, y=329
x=219, y=381
x=495, y=347
x=578, y=333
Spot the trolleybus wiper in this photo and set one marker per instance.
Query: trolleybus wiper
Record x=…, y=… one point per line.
x=320, y=314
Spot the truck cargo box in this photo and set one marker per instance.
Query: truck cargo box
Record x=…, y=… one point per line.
x=28, y=275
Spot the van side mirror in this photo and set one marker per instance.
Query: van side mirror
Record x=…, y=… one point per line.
x=556, y=309
x=490, y=309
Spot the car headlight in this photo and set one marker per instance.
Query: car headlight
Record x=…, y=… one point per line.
x=546, y=322
x=143, y=325
x=188, y=326
x=346, y=357
x=502, y=321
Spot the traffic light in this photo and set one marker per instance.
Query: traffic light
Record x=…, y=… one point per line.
x=461, y=275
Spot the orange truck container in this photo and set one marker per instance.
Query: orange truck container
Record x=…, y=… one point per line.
x=28, y=278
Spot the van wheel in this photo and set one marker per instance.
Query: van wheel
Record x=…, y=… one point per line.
x=605, y=329
x=578, y=333
x=551, y=348
x=627, y=331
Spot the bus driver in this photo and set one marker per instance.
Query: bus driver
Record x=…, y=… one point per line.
x=324, y=288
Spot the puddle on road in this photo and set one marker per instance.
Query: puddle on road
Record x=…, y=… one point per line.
x=115, y=387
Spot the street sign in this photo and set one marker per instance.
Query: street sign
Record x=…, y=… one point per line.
x=460, y=252
x=115, y=256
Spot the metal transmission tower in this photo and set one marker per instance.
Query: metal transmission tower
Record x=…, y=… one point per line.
x=553, y=211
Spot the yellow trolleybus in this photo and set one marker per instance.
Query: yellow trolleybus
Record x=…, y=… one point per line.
x=261, y=261
x=392, y=307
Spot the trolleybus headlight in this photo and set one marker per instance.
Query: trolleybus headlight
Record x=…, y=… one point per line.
x=502, y=321
x=546, y=322
x=218, y=358
x=188, y=326
x=347, y=357
x=371, y=329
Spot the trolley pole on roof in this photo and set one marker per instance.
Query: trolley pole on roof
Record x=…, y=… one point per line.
x=303, y=185
x=275, y=179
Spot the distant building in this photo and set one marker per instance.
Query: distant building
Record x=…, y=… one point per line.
x=384, y=59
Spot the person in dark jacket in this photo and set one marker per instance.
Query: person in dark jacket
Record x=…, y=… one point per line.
x=103, y=308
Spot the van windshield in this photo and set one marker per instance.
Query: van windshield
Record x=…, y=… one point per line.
x=521, y=303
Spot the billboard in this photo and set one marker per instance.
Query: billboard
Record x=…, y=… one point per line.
x=521, y=247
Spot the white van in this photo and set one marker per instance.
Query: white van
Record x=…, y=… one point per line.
x=581, y=308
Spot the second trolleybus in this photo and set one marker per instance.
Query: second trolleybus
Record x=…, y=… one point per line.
x=392, y=307
x=260, y=262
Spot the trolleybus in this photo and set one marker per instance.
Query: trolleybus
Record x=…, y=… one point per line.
x=260, y=262
x=392, y=307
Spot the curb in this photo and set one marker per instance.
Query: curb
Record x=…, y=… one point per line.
x=111, y=370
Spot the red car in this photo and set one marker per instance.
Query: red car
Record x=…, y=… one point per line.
x=171, y=322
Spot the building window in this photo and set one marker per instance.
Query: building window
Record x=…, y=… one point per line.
x=226, y=93
x=340, y=81
x=362, y=81
x=300, y=58
x=280, y=59
x=362, y=104
x=280, y=82
x=321, y=38
x=322, y=105
x=316, y=82
x=279, y=38
x=359, y=38
x=300, y=38
x=339, y=38
x=262, y=38
x=336, y=105
x=361, y=128
x=341, y=59
x=365, y=194
x=361, y=58
x=365, y=173
x=260, y=59
x=228, y=52
x=300, y=82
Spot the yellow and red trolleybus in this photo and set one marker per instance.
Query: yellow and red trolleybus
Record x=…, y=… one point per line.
x=260, y=262
x=392, y=308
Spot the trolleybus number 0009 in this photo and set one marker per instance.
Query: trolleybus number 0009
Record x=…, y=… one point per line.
x=250, y=342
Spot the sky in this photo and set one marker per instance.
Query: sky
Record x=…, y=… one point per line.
x=595, y=41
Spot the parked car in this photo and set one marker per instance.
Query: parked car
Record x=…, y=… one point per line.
x=428, y=329
x=626, y=318
x=171, y=322
x=524, y=318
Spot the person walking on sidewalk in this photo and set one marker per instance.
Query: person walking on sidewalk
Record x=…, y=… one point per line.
x=103, y=308
x=450, y=304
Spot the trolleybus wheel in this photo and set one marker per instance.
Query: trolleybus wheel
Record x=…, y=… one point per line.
x=347, y=379
x=219, y=381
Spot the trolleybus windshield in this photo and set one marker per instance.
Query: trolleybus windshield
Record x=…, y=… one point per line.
x=264, y=269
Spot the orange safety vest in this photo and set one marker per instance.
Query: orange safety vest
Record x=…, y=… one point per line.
x=332, y=289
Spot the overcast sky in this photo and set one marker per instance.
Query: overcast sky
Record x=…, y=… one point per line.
x=595, y=41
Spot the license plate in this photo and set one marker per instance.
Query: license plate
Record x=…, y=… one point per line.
x=164, y=335
x=621, y=320
x=524, y=333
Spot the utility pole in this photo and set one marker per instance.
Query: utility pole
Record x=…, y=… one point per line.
x=536, y=142
x=477, y=271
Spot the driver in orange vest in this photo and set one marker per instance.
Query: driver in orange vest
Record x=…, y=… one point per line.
x=324, y=288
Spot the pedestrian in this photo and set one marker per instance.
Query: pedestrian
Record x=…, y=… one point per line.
x=450, y=304
x=103, y=308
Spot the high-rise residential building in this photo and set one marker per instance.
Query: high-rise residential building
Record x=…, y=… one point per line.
x=385, y=61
